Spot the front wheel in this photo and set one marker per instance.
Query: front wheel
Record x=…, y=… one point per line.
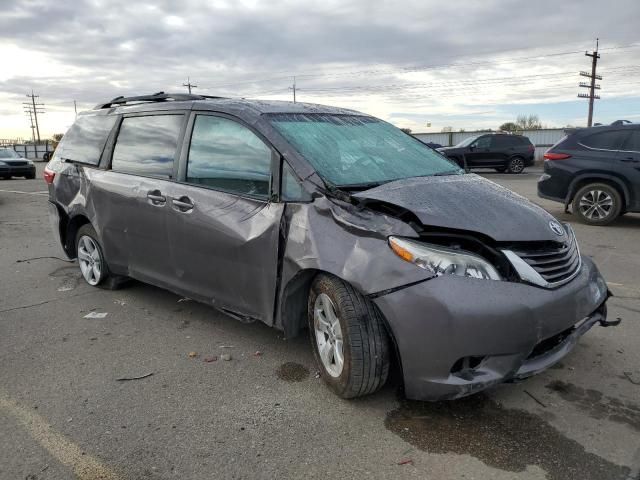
x=350, y=343
x=597, y=204
x=516, y=165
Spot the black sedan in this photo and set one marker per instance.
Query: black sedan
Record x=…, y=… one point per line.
x=13, y=165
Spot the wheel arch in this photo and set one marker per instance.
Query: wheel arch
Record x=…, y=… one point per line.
x=73, y=224
x=585, y=179
x=293, y=307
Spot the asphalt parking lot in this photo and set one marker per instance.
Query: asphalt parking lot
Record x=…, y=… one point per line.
x=65, y=411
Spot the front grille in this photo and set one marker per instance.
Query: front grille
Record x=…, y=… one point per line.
x=18, y=164
x=555, y=265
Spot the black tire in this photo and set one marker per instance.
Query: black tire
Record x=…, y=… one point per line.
x=106, y=279
x=587, y=194
x=46, y=157
x=30, y=176
x=516, y=165
x=6, y=177
x=366, y=349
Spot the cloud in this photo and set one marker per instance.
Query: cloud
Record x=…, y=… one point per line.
x=379, y=56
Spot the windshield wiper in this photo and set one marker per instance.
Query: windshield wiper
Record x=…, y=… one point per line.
x=360, y=186
x=448, y=172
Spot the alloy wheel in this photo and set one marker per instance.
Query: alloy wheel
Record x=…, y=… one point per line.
x=516, y=165
x=89, y=260
x=596, y=204
x=328, y=333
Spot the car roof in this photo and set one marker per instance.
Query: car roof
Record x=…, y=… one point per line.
x=247, y=109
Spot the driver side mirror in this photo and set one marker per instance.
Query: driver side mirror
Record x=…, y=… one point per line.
x=472, y=146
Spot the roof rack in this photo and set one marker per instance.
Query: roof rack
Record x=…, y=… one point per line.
x=156, y=97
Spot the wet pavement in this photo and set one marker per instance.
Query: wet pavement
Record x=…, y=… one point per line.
x=263, y=413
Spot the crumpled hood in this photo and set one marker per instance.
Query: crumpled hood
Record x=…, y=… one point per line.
x=467, y=202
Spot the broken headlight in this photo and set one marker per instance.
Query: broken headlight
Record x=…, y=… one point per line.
x=442, y=260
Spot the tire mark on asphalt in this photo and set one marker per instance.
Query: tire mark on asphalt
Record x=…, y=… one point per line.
x=84, y=466
x=37, y=304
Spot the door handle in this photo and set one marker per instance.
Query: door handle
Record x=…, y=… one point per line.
x=183, y=204
x=156, y=197
x=630, y=160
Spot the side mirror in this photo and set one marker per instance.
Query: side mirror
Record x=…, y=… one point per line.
x=472, y=146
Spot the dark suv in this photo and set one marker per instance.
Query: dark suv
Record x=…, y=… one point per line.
x=596, y=172
x=300, y=215
x=504, y=152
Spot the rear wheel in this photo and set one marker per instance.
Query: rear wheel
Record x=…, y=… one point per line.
x=93, y=265
x=597, y=204
x=350, y=343
x=516, y=165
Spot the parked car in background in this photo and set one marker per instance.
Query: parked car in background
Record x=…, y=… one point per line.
x=502, y=151
x=595, y=172
x=300, y=215
x=13, y=165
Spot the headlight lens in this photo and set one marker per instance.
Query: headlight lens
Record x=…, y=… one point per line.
x=442, y=260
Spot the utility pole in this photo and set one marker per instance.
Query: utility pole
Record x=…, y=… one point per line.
x=592, y=84
x=33, y=132
x=189, y=85
x=75, y=108
x=35, y=109
x=294, y=89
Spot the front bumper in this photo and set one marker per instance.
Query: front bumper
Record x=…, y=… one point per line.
x=456, y=336
x=19, y=171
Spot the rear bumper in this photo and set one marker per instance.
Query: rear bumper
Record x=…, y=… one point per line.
x=457, y=336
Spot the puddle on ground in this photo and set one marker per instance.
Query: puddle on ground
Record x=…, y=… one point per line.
x=292, y=372
x=597, y=405
x=508, y=439
x=70, y=276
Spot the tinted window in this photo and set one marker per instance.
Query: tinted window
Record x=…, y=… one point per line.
x=353, y=150
x=86, y=138
x=632, y=143
x=483, y=142
x=506, y=141
x=611, y=140
x=147, y=145
x=228, y=156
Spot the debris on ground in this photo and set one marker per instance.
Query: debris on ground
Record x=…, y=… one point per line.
x=118, y=301
x=193, y=354
x=225, y=356
x=406, y=461
x=257, y=353
x=226, y=346
x=210, y=359
x=633, y=378
x=535, y=399
x=139, y=377
x=96, y=315
x=184, y=299
x=65, y=288
x=317, y=374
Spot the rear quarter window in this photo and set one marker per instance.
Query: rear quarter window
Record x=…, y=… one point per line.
x=611, y=140
x=85, y=139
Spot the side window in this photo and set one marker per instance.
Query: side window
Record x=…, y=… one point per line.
x=147, y=145
x=611, y=140
x=291, y=190
x=226, y=155
x=85, y=139
x=501, y=141
x=632, y=143
x=483, y=142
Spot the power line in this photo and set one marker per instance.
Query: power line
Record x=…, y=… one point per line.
x=592, y=84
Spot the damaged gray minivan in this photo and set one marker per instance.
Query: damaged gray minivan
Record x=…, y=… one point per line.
x=302, y=215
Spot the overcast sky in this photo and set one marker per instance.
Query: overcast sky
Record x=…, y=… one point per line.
x=461, y=64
